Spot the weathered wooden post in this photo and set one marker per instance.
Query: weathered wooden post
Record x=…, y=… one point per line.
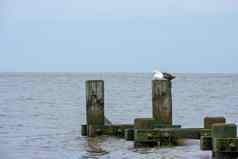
x=162, y=102
x=206, y=138
x=224, y=141
x=162, y=115
x=144, y=124
x=94, y=105
x=209, y=121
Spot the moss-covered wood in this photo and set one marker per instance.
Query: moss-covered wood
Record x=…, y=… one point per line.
x=129, y=134
x=150, y=123
x=112, y=130
x=226, y=145
x=186, y=133
x=119, y=130
x=145, y=123
x=178, y=133
x=95, y=102
x=224, y=141
x=189, y=133
x=147, y=135
x=206, y=143
x=225, y=155
x=162, y=101
x=224, y=131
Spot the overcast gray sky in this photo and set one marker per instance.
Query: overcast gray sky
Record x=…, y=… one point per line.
x=119, y=36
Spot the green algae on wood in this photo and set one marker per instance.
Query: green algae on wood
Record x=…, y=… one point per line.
x=95, y=102
x=224, y=141
x=180, y=133
x=111, y=130
x=206, y=143
x=129, y=134
x=162, y=101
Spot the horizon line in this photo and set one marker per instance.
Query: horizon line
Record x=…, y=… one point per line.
x=101, y=72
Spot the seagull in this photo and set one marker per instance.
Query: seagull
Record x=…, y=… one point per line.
x=157, y=75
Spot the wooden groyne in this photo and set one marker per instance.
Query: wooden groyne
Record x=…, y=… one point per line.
x=215, y=136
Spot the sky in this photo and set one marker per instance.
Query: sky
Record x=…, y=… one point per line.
x=184, y=36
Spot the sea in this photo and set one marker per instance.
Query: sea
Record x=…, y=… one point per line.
x=41, y=113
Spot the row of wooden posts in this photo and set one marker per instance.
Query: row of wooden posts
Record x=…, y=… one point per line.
x=215, y=136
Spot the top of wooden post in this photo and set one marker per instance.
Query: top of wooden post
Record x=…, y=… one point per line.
x=209, y=121
x=224, y=130
x=89, y=81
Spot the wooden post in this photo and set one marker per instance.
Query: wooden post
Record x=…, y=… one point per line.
x=94, y=104
x=162, y=101
x=206, y=139
x=209, y=121
x=221, y=134
x=144, y=123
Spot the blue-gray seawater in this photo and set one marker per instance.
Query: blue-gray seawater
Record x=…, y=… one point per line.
x=41, y=113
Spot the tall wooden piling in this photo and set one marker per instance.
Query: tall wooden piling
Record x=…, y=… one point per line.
x=94, y=104
x=162, y=101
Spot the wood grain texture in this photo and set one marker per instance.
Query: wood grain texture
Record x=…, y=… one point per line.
x=95, y=102
x=162, y=101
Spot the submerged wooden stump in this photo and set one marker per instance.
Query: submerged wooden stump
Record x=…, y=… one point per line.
x=206, y=138
x=144, y=123
x=162, y=101
x=224, y=141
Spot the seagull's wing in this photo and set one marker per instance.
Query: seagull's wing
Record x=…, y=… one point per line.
x=168, y=76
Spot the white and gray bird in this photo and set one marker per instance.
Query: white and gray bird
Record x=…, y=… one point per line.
x=157, y=75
